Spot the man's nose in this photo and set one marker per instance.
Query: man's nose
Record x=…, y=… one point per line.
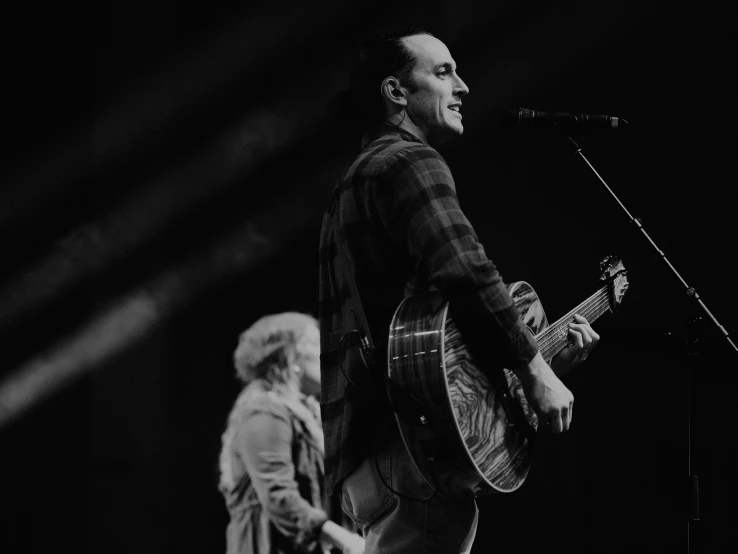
x=461, y=89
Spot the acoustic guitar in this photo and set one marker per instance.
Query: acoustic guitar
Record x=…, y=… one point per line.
x=471, y=426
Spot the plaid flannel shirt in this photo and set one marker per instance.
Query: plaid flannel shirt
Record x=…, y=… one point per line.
x=403, y=231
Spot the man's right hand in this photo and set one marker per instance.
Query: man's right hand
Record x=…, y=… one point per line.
x=546, y=394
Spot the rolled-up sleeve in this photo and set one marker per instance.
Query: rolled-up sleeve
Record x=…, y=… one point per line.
x=265, y=445
x=418, y=204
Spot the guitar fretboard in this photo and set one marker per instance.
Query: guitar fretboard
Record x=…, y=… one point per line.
x=556, y=336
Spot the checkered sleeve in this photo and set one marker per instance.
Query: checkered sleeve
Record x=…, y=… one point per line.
x=418, y=205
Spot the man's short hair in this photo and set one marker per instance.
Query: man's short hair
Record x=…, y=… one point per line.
x=361, y=106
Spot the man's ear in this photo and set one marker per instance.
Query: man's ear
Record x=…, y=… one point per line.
x=392, y=92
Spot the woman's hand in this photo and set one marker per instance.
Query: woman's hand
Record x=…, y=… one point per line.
x=346, y=541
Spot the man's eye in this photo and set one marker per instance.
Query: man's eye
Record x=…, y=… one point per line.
x=443, y=72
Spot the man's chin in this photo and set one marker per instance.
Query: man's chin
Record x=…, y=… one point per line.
x=455, y=127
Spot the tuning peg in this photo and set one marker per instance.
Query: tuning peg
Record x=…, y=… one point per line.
x=606, y=261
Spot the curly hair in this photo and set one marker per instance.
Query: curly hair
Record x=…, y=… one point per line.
x=268, y=348
x=361, y=106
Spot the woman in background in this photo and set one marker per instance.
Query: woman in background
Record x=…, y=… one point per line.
x=271, y=464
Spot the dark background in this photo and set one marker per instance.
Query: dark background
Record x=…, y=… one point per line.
x=164, y=175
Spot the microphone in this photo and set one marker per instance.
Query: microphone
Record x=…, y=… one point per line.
x=536, y=118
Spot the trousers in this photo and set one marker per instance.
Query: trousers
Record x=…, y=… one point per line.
x=408, y=519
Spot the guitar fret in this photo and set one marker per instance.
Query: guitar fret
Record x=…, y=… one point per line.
x=558, y=337
x=555, y=337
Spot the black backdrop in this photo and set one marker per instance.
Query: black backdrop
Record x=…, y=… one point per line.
x=165, y=171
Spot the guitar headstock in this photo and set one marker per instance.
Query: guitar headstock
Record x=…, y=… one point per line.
x=613, y=272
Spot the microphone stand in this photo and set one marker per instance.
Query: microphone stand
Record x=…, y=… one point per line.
x=694, y=359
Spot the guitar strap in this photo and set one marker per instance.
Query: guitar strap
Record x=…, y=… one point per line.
x=367, y=346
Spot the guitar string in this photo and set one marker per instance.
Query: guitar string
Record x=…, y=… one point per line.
x=596, y=298
x=596, y=304
x=552, y=345
x=553, y=339
x=591, y=304
x=586, y=309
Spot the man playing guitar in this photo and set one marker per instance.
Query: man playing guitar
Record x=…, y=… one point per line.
x=397, y=220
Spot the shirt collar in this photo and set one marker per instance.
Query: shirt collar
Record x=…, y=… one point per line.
x=386, y=129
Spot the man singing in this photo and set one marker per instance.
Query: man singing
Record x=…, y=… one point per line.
x=398, y=216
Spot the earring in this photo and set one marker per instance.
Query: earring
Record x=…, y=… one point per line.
x=296, y=368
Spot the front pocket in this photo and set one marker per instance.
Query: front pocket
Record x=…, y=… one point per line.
x=364, y=496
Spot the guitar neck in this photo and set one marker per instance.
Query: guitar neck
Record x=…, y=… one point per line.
x=556, y=336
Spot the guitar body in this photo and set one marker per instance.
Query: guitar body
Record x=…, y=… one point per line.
x=470, y=431
x=466, y=438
